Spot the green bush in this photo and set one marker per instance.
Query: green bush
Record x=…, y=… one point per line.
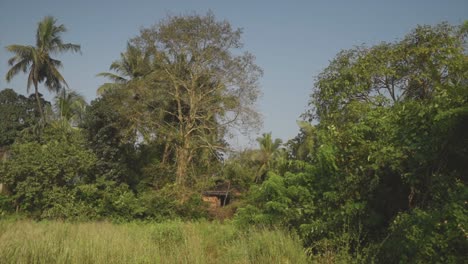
x=437, y=235
x=6, y=204
x=173, y=202
x=98, y=201
x=38, y=170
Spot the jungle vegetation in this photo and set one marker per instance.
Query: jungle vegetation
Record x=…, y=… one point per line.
x=377, y=173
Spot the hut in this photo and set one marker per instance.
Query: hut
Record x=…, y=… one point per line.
x=220, y=195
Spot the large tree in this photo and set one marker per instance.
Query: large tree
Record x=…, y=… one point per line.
x=418, y=67
x=37, y=59
x=200, y=85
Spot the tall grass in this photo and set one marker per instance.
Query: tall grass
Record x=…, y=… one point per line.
x=171, y=242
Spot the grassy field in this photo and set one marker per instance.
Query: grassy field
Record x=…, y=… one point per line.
x=172, y=242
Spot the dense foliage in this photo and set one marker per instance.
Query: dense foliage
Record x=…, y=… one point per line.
x=384, y=177
x=376, y=174
x=18, y=113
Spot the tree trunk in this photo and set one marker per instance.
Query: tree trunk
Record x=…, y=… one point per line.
x=182, y=164
x=166, y=153
x=38, y=99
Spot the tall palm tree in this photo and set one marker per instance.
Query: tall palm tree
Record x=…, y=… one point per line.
x=37, y=61
x=133, y=64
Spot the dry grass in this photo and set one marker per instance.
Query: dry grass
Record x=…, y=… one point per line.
x=171, y=242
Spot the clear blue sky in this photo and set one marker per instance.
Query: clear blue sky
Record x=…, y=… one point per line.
x=292, y=40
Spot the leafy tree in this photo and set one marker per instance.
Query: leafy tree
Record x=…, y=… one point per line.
x=199, y=87
x=409, y=83
x=37, y=169
x=18, y=112
x=303, y=146
x=424, y=63
x=37, y=60
x=106, y=132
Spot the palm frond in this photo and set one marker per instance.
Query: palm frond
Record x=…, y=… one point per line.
x=120, y=67
x=59, y=29
x=107, y=87
x=113, y=77
x=54, y=79
x=44, y=32
x=21, y=52
x=56, y=63
x=69, y=105
x=69, y=47
x=21, y=66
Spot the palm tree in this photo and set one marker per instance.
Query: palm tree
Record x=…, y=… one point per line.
x=70, y=107
x=133, y=64
x=266, y=155
x=37, y=61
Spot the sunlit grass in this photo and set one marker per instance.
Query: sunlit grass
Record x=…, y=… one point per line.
x=170, y=242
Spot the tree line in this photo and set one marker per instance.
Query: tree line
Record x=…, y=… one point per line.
x=377, y=172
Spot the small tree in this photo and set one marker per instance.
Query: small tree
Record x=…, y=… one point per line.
x=70, y=107
x=269, y=152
